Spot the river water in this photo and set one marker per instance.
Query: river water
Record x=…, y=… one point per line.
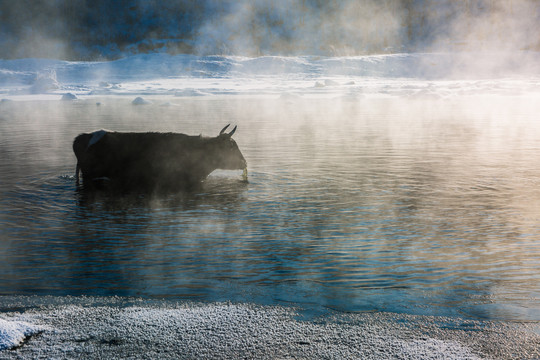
x=424, y=207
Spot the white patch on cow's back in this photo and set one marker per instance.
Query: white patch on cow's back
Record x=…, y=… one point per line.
x=96, y=136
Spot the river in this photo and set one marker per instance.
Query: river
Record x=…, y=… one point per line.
x=428, y=207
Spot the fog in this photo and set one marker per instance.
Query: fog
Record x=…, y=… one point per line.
x=392, y=149
x=488, y=37
x=302, y=27
x=80, y=30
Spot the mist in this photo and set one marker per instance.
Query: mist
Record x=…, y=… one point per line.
x=488, y=38
x=77, y=30
x=392, y=153
x=292, y=27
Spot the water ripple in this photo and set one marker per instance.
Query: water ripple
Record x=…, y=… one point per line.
x=374, y=214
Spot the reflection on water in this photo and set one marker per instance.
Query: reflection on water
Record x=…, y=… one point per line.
x=421, y=207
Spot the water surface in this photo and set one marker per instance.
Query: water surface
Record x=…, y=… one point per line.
x=424, y=207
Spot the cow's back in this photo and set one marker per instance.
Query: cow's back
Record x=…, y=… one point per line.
x=139, y=160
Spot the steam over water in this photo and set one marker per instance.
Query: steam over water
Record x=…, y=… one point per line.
x=423, y=207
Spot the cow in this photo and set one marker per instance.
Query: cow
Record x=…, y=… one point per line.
x=152, y=161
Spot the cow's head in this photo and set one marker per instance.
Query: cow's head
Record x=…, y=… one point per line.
x=228, y=154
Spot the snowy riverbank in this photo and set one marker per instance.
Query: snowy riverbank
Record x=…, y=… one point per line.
x=114, y=327
x=402, y=75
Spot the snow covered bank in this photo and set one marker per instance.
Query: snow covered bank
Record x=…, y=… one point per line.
x=120, y=328
x=14, y=333
x=439, y=75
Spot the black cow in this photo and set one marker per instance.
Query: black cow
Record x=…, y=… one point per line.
x=152, y=161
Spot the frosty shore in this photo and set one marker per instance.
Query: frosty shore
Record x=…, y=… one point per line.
x=435, y=75
x=93, y=328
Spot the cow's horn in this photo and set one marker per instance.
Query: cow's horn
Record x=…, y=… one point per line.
x=233, y=130
x=223, y=130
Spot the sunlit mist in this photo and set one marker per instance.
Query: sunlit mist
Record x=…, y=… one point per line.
x=383, y=177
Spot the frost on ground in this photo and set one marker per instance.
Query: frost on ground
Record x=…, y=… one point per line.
x=129, y=328
x=14, y=333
